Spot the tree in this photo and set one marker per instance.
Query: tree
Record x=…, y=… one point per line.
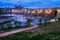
x=28, y=22
x=55, y=14
x=40, y=21
x=0, y=11
x=1, y=25
x=17, y=23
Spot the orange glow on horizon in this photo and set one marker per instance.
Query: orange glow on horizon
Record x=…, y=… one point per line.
x=33, y=11
x=28, y=11
x=41, y=11
x=58, y=10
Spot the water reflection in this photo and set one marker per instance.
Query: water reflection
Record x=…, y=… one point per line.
x=13, y=20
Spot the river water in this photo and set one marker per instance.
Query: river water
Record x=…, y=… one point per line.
x=20, y=18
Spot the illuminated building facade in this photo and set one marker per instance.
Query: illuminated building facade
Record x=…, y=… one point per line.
x=33, y=11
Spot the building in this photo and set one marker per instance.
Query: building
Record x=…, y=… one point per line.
x=17, y=9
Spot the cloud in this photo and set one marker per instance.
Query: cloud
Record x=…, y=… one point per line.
x=30, y=3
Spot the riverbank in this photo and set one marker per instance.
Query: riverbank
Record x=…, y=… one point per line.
x=49, y=32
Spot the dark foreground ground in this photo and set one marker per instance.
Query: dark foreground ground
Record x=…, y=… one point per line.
x=49, y=32
x=33, y=36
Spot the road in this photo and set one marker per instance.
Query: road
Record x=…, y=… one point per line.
x=16, y=31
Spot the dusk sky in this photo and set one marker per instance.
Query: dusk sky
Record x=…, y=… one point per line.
x=30, y=3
